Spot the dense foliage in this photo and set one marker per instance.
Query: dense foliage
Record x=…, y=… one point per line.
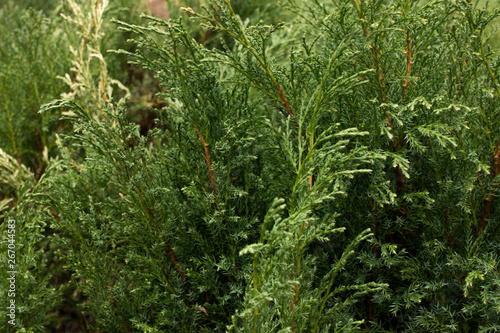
x=258, y=167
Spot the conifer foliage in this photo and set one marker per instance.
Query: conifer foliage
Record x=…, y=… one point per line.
x=319, y=167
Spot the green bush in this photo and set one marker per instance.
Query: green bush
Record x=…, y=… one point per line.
x=335, y=172
x=34, y=51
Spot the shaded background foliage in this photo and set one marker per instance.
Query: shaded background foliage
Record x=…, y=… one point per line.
x=226, y=171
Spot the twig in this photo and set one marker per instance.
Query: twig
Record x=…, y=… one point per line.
x=207, y=159
x=168, y=248
x=408, y=65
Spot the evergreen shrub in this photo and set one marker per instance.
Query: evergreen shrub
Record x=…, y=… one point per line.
x=335, y=172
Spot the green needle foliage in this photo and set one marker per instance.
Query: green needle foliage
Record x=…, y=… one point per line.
x=336, y=172
x=33, y=50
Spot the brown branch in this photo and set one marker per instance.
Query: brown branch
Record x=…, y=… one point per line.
x=173, y=257
x=284, y=100
x=207, y=159
x=408, y=65
x=208, y=33
x=400, y=181
x=211, y=176
x=56, y=216
x=206, y=36
x=95, y=11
